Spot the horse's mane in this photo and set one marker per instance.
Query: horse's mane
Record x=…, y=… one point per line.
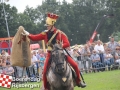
x=56, y=47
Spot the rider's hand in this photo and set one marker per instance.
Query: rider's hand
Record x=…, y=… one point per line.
x=26, y=33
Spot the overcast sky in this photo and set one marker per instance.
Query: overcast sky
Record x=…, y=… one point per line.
x=21, y=4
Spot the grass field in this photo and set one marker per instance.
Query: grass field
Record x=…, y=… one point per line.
x=108, y=80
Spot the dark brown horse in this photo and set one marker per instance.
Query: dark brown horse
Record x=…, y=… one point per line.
x=59, y=74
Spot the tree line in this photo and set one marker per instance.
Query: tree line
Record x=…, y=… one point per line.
x=77, y=19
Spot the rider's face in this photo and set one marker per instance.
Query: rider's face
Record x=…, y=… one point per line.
x=49, y=27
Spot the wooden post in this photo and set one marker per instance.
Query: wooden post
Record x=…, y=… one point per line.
x=43, y=45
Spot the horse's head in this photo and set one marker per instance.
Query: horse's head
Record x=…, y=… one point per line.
x=58, y=59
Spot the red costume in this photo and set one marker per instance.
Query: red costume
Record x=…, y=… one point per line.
x=59, y=37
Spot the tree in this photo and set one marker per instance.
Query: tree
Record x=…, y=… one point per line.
x=11, y=15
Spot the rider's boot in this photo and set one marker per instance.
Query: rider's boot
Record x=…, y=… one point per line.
x=81, y=84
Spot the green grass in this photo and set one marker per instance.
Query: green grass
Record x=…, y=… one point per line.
x=108, y=80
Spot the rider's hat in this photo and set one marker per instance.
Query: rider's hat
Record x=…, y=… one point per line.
x=51, y=19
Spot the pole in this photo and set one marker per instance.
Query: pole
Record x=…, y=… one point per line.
x=6, y=25
x=43, y=44
x=6, y=19
x=98, y=26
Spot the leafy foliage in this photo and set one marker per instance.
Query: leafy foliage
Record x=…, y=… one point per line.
x=77, y=19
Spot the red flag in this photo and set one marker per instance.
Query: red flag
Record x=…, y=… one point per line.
x=5, y=80
x=93, y=36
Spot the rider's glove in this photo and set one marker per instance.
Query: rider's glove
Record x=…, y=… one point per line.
x=26, y=33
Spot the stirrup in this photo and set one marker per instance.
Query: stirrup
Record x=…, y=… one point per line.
x=82, y=85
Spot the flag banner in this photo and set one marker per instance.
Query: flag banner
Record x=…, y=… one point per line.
x=5, y=80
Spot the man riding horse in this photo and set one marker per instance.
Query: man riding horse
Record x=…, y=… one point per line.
x=59, y=37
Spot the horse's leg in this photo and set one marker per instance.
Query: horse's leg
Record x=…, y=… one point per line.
x=71, y=87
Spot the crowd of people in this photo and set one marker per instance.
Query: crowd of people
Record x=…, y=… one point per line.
x=34, y=70
x=97, y=56
x=94, y=57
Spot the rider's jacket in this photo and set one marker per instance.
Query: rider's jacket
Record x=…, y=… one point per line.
x=46, y=35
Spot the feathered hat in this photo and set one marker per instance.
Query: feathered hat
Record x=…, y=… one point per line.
x=51, y=19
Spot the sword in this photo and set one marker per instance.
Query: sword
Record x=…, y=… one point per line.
x=72, y=58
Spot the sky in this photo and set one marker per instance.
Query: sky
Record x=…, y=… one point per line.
x=21, y=4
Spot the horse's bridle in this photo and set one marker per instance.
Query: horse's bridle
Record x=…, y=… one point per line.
x=56, y=58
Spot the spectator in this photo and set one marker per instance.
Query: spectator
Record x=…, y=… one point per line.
x=0, y=62
x=9, y=69
x=38, y=55
x=108, y=59
x=3, y=60
x=0, y=65
x=105, y=46
x=8, y=59
x=117, y=56
x=112, y=45
x=4, y=53
x=33, y=65
x=42, y=59
x=85, y=55
x=96, y=64
x=75, y=54
x=21, y=72
x=100, y=50
x=70, y=51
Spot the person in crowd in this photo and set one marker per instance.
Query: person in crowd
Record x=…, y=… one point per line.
x=85, y=55
x=4, y=53
x=33, y=65
x=70, y=51
x=37, y=63
x=4, y=58
x=95, y=58
x=100, y=50
x=9, y=69
x=34, y=52
x=117, y=56
x=8, y=59
x=0, y=64
x=21, y=72
x=38, y=54
x=42, y=59
x=41, y=64
x=75, y=54
x=61, y=39
x=89, y=45
x=112, y=45
x=0, y=60
x=105, y=46
x=108, y=58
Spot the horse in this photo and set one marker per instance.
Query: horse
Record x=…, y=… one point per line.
x=59, y=75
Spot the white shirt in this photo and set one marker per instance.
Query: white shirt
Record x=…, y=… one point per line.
x=33, y=59
x=99, y=47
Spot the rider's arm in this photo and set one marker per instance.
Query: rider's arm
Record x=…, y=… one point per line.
x=37, y=37
x=65, y=40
